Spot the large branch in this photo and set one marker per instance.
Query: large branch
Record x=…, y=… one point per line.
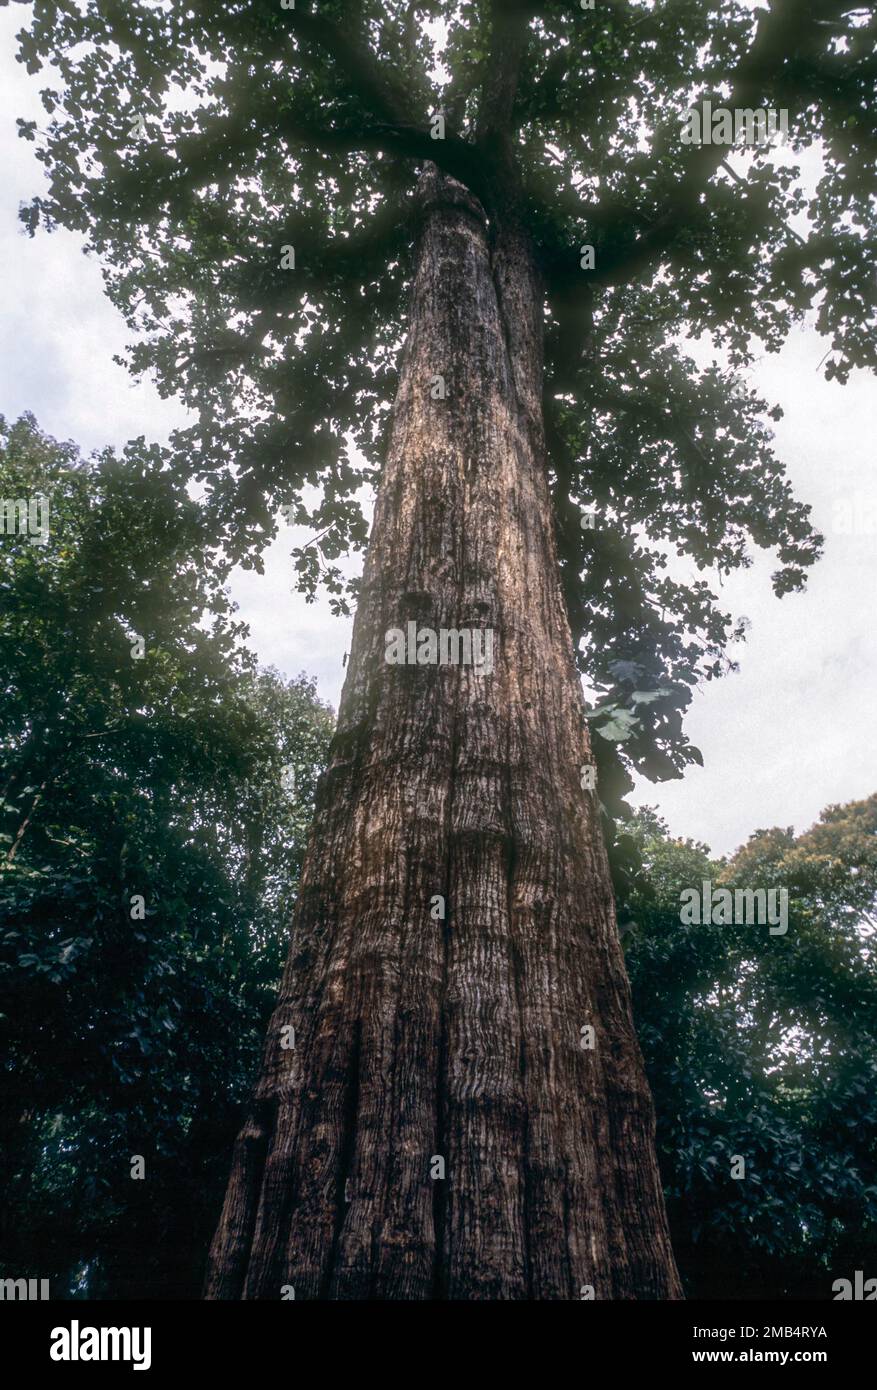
x=784, y=30
x=509, y=23
x=630, y=243
x=394, y=126
x=372, y=82
x=213, y=154
x=388, y=122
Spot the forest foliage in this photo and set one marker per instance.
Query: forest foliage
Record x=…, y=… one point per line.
x=188, y=145
x=167, y=777
x=153, y=822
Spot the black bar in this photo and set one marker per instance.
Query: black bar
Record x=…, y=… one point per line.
x=260, y=1339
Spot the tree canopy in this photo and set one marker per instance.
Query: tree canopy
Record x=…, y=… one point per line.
x=194, y=146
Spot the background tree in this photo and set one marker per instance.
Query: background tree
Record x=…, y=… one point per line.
x=132, y=1027
x=764, y=1046
x=284, y=218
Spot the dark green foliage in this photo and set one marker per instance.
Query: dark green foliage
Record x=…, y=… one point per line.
x=168, y=777
x=764, y=1046
x=307, y=127
x=162, y=777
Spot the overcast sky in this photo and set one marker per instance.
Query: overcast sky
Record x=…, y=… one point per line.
x=792, y=732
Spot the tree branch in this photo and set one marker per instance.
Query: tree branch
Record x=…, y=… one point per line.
x=509, y=23
x=781, y=32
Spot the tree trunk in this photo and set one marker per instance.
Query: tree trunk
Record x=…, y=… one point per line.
x=417, y=1038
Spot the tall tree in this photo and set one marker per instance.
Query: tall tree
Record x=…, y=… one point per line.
x=545, y=235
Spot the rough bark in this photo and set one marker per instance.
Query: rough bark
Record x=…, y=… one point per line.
x=460, y=1038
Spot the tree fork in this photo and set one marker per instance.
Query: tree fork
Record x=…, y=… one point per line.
x=418, y=1038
